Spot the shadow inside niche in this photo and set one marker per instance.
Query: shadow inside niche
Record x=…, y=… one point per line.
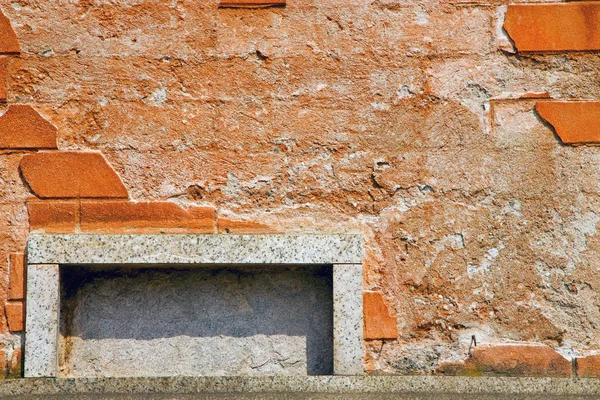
x=198, y=321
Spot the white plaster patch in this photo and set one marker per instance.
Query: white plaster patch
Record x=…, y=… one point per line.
x=486, y=263
x=159, y=96
x=421, y=17
x=513, y=207
x=502, y=39
x=380, y=105
x=404, y=92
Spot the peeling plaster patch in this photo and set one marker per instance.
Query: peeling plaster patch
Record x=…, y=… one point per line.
x=233, y=186
x=454, y=242
x=513, y=207
x=566, y=350
x=502, y=39
x=483, y=334
x=167, y=189
x=545, y=272
x=159, y=96
x=422, y=18
x=486, y=263
x=587, y=224
x=380, y=106
x=320, y=87
x=404, y=92
x=578, y=230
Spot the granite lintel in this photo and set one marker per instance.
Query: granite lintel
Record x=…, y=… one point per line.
x=194, y=249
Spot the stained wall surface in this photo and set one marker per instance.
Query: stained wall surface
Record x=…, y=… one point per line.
x=419, y=124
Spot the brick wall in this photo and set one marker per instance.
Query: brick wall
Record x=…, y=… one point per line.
x=457, y=137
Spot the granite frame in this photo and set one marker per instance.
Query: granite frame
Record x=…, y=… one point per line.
x=46, y=253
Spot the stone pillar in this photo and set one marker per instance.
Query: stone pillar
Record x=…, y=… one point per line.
x=347, y=319
x=42, y=320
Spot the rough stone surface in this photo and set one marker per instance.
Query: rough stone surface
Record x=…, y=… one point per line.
x=9, y=44
x=554, y=27
x=250, y=3
x=15, y=314
x=198, y=322
x=588, y=367
x=53, y=216
x=22, y=127
x=575, y=122
x=42, y=329
x=378, y=321
x=347, y=319
x=145, y=217
x=194, y=249
x=71, y=175
x=16, y=287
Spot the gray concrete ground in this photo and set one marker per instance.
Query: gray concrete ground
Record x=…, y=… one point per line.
x=303, y=388
x=304, y=396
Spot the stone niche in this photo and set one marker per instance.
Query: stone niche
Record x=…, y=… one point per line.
x=193, y=305
x=209, y=321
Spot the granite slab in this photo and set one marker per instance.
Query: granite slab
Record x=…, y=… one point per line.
x=544, y=387
x=344, y=252
x=194, y=249
x=42, y=321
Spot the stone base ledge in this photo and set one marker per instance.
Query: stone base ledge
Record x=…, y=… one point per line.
x=311, y=384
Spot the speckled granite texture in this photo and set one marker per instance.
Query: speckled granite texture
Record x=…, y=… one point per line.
x=348, y=319
x=43, y=305
x=194, y=249
x=310, y=384
x=160, y=250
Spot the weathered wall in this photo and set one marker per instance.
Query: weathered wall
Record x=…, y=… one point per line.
x=411, y=122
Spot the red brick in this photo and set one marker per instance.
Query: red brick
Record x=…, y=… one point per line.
x=588, y=367
x=145, y=217
x=9, y=44
x=575, y=122
x=554, y=27
x=251, y=3
x=379, y=324
x=52, y=216
x=517, y=360
x=16, y=286
x=15, y=315
x=243, y=227
x=71, y=175
x=535, y=95
x=3, y=79
x=22, y=127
